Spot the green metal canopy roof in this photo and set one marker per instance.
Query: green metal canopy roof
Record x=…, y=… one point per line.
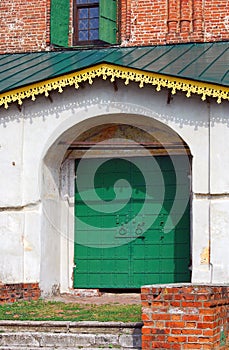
x=206, y=63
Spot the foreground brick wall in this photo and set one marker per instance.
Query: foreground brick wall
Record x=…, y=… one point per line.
x=185, y=317
x=10, y=293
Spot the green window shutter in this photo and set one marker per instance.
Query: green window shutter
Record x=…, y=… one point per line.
x=108, y=21
x=60, y=10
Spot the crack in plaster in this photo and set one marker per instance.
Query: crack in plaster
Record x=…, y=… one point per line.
x=211, y=196
x=28, y=206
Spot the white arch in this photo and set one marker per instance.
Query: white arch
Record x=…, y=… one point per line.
x=58, y=198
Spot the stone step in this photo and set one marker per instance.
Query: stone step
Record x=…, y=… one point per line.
x=71, y=327
x=65, y=335
x=75, y=348
x=35, y=340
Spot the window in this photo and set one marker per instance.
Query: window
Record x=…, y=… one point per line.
x=86, y=21
x=94, y=22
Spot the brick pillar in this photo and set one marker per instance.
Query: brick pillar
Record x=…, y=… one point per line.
x=198, y=16
x=173, y=17
x=185, y=15
x=185, y=317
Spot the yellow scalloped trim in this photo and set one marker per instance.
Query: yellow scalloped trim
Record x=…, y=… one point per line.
x=112, y=72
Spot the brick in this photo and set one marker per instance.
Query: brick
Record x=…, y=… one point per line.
x=160, y=324
x=190, y=346
x=191, y=317
x=203, y=325
x=146, y=344
x=146, y=317
x=146, y=330
x=177, y=339
x=157, y=345
x=175, y=304
x=175, y=324
x=191, y=331
x=188, y=297
x=143, y=296
x=207, y=311
x=191, y=304
x=145, y=290
x=193, y=339
x=162, y=317
x=204, y=340
x=175, y=346
x=176, y=331
x=190, y=325
x=208, y=318
x=176, y=317
x=145, y=303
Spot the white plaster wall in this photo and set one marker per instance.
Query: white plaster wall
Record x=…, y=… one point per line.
x=219, y=136
x=220, y=240
x=31, y=138
x=219, y=188
x=11, y=157
x=201, y=268
x=31, y=243
x=20, y=245
x=11, y=247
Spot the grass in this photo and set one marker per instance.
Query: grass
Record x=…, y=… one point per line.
x=58, y=311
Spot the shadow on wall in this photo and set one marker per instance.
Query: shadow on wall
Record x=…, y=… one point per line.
x=71, y=100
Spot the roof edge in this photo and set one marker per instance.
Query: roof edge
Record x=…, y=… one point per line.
x=112, y=72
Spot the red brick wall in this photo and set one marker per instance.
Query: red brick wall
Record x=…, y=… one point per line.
x=23, y=25
x=10, y=293
x=185, y=317
x=216, y=17
x=146, y=22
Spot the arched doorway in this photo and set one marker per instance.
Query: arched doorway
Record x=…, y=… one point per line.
x=134, y=142
x=132, y=206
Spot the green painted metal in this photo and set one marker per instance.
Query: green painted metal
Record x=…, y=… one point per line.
x=108, y=21
x=60, y=13
x=113, y=249
x=207, y=62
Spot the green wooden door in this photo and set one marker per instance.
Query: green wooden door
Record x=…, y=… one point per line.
x=127, y=231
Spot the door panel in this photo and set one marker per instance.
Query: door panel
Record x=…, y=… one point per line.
x=129, y=247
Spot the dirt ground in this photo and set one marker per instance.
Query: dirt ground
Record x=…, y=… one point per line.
x=98, y=298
